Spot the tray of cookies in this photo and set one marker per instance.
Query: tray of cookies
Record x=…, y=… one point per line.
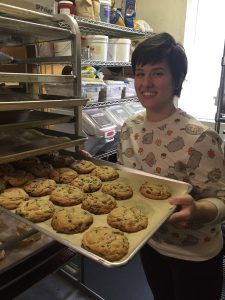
x=102, y=210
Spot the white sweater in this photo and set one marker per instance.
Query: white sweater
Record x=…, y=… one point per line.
x=182, y=148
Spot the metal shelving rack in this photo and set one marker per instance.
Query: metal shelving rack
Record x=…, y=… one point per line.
x=220, y=114
x=23, y=27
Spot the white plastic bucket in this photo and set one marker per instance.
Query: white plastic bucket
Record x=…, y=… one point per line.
x=111, y=53
x=105, y=8
x=98, y=45
x=62, y=48
x=119, y=50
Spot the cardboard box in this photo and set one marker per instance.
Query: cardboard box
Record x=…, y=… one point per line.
x=42, y=6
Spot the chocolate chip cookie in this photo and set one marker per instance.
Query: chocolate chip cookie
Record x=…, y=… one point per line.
x=98, y=203
x=40, y=187
x=12, y=197
x=156, y=191
x=118, y=190
x=105, y=173
x=71, y=220
x=18, y=177
x=88, y=183
x=127, y=219
x=42, y=169
x=67, y=195
x=36, y=209
x=63, y=175
x=109, y=243
x=83, y=166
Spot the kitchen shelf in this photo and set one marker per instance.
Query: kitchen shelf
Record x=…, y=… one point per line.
x=68, y=60
x=21, y=105
x=35, y=78
x=17, y=31
x=110, y=103
x=90, y=26
x=105, y=63
x=31, y=119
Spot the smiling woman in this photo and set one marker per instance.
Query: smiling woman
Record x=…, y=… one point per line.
x=165, y=140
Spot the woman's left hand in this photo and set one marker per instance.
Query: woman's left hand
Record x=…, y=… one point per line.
x=187, y=209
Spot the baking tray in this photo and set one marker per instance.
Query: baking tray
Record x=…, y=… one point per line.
x=30, y=119
x=19, y=250
x=157, y=211
x=15, y=146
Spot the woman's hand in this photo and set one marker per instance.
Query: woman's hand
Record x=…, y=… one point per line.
x=187, y=208
x=201, y=211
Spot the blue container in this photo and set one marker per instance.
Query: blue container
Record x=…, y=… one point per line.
x=105, y=8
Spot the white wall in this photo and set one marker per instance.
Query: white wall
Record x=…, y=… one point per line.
x=164, y=15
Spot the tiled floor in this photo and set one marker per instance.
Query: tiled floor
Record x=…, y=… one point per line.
x=124, y=283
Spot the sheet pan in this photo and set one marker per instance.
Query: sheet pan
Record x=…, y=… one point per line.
x=157, y=211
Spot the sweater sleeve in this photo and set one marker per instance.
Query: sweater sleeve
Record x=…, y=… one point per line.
x=206, y=171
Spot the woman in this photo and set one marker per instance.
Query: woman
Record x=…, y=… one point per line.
x=183, y=260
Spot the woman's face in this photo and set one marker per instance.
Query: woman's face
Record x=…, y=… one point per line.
x=154, y=86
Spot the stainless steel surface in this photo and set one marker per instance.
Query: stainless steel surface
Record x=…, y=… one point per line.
x=39, y=78
x=90, y=62
x=25, y=14
x=15, y=239
x=30, y=119
x=95, y=27
x=21, y=105
x=157, y=212
x=18, y=251
x=90, y=105
x=41, y=32
x=41, y=144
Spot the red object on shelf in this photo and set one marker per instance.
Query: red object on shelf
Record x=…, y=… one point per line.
x=66, y=7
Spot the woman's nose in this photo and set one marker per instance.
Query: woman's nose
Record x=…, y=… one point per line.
x=147, y=81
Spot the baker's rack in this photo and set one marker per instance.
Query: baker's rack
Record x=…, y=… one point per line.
x=220, y=114
x=24, y=27
x=30, y=110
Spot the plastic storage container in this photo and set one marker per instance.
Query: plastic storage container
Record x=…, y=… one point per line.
x=129, y=90
x=105, y=8
x=98, y=45
x=134, y=107
x=119, y=50
x=91, y=89
x=118, y=114
x=112, y=90
x=62, y=48
x=97, y=122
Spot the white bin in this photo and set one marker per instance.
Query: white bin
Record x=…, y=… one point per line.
x=62, y=48
x=98, y=45
x=119, y=50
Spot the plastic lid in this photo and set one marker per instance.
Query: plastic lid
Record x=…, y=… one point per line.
x=106, y=2
x=97, y=37
x=120, y=41
x=66, y=2
x=114, y=82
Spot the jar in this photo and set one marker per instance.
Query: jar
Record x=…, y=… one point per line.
x=105, y=8
x=66, y=7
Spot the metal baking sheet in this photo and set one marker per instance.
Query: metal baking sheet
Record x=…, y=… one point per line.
x=30, y=119
x=157, y=211
x=40, y=142
x=20, y=250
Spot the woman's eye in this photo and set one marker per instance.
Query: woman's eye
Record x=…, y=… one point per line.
x=139, y=74
x=158, y=74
